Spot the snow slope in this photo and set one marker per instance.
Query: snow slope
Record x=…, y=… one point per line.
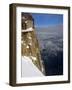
x=29, y=69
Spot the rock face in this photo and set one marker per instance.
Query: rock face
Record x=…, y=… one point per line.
x=29, y=45
x=27, y=21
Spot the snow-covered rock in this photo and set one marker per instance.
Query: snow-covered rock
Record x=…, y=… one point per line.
x=29, y=69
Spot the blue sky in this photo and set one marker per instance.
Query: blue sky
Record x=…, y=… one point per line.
x=45, y=20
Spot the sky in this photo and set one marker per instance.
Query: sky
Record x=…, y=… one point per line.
x=45, y=20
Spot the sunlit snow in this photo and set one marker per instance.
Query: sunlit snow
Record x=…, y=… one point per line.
x=29, y=69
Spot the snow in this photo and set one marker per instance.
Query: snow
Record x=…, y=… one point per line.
x=29, y=37
x=27, y=46
x=26, y=30
x=29, y=69
x=34, y=58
